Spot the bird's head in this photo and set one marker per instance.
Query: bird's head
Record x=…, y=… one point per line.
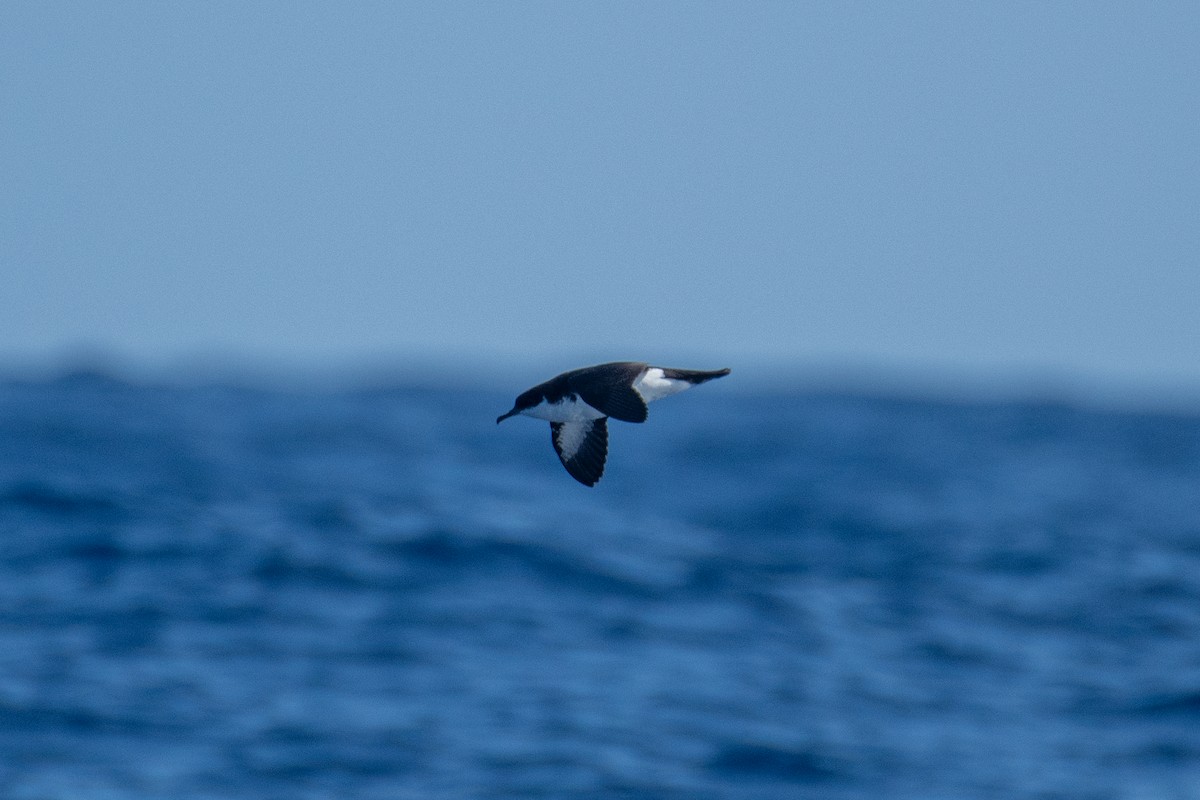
x=524, y=402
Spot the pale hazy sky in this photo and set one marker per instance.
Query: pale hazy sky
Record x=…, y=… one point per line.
x=999, y=187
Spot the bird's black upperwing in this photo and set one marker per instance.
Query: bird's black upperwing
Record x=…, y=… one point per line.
x=694, y=376
x=609, y=390
x=582, y=448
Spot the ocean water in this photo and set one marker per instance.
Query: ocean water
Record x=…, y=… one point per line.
x=217, y=592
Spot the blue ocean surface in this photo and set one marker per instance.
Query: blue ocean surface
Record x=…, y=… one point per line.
x=223, y=592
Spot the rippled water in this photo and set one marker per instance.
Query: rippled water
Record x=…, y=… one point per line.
x=232, y=593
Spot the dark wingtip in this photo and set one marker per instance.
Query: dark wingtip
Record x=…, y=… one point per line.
x=712, y=374
x=586, y=481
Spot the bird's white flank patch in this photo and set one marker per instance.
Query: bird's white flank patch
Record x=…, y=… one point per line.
x=653, y=385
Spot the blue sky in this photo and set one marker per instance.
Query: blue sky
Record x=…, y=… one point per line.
x=983, y=189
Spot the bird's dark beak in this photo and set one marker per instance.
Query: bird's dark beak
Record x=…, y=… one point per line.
x=508, y=414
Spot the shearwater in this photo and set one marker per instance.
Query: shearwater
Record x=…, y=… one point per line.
x=577, y=404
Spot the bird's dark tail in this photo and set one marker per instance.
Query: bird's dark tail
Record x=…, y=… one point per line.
x=694, y=376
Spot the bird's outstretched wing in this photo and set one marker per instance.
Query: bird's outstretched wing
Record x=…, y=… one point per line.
x=582, y=447
x=611, y=392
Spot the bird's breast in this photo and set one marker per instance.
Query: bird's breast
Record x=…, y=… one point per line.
x=569, y=409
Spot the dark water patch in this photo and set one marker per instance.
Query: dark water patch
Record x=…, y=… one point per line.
x=58, y=501
x=1181, y=704
x=634, y=790
x=278, y=568
x=328, y=516
x=1170, y=753
x=964, y=654
x=119, y=629
x=755, y=760
x=290, y=753
x=83, y=719
x=445, y=554
x=1021, y=561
